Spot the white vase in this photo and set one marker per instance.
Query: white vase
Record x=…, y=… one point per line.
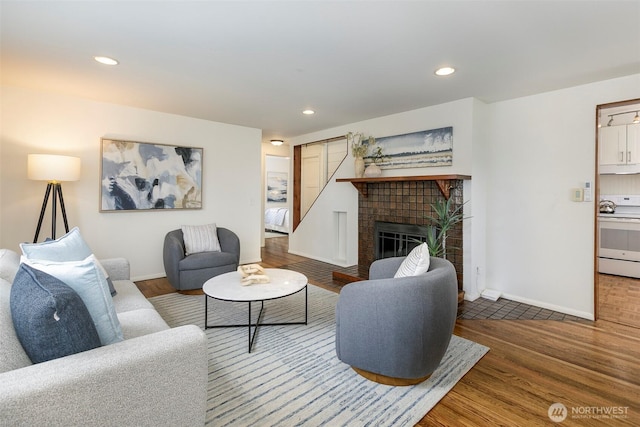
x=372, y=171
x=359, y=166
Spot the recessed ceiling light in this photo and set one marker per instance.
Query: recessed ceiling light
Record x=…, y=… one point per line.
x=308, y=112
x=105, y=60
x=445, y=71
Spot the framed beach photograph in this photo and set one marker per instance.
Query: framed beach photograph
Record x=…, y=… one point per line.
x=418, y=149
x=137, y=176
x=277, y=187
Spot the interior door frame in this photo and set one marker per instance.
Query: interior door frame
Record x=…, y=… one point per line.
x=596, y=195
x=297, y=181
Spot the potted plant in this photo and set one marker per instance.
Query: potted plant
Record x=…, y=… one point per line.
x=446, y=217
x=358, y=149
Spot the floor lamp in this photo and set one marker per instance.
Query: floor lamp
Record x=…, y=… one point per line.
x=53, y=169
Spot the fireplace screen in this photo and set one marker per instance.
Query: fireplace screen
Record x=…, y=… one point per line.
x=393, y=239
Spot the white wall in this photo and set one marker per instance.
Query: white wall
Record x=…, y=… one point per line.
x=540, y=244
x=318, y=232
x=475, y=210
x=525, y=237
x=37, y=122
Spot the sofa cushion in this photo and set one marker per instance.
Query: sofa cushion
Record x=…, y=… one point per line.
x=417, y=262
x=12, y=355
x=200, y=238
x=49, y=317
x=128, y=298
x=87, y=279
x=70, y=247
x=9, y=263
x=145, y=321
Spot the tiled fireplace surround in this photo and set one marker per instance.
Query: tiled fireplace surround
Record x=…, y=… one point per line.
x=406, y=202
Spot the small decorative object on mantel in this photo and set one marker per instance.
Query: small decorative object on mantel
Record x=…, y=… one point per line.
x=373, y=170
x=358, y=150
x=252, y=274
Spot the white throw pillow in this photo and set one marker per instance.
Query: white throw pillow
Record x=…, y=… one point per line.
x=417, y=262
x=86, y=277
x=200, y=238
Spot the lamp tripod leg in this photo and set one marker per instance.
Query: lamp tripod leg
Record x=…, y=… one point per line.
x=54, y=208
x=64, y=211
x=42, y=210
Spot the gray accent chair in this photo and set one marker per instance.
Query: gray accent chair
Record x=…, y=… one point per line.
x=187, y=272
x=397, y=328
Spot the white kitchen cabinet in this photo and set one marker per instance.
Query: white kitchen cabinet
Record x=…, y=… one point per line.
x=620, y=149
x=633, y=144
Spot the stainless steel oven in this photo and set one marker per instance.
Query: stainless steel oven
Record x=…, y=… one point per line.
x=619, y=237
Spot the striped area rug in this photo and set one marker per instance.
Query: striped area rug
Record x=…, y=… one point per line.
x=292, y=377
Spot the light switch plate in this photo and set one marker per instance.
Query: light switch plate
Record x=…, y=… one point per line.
x=577, y=194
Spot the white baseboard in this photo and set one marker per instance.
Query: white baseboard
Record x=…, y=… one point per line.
x=328, y=261
x=163, y=274
x=491, y=294
x=560, y=309
x=148, y=277
x=468, y=296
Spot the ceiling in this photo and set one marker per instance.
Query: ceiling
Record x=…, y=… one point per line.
x=259, y=64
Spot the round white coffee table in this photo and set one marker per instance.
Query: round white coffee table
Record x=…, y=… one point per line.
x=227, y=287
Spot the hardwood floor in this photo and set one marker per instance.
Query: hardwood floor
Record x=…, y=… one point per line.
x=592, y=368
x=619, y=299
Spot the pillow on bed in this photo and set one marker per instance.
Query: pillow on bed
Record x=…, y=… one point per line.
x=200, y=238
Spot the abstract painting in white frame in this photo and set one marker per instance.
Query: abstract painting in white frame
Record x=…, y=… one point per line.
x=137, y=176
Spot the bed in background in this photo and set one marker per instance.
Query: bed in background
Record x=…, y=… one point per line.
x=276, y=219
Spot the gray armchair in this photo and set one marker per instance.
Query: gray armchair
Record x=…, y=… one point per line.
x=396, y=331
x=190, y=272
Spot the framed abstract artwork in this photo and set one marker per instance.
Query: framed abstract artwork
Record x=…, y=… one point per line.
x=137, y=176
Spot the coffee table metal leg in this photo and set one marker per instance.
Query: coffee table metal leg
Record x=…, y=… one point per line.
x=252, y=338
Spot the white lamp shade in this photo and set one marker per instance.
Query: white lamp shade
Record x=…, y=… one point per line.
x=49, y=167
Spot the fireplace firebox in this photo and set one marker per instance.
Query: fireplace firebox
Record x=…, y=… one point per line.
x=394, y=239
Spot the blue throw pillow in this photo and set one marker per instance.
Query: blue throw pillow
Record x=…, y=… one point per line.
x=49, y=317
x=70, y=247
x=86, y=277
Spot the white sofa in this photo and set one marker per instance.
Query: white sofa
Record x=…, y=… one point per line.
x=157, y=376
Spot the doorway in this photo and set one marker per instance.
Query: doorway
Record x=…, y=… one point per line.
x=616, y=294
